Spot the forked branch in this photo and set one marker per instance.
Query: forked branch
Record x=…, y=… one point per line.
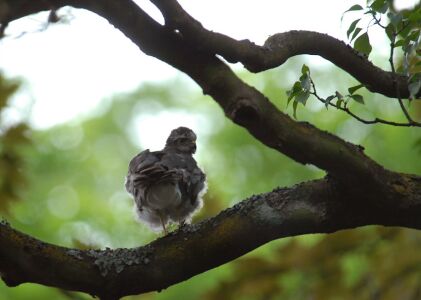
x=319, y=206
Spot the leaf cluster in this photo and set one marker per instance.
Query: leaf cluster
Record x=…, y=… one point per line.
x=305, y=87
x=301, y=89
x=403, y=28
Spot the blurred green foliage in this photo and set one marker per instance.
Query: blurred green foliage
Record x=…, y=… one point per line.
x=13, y=137
x=75, y=194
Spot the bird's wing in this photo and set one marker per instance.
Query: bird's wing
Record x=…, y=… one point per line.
x=140, y=161
x=145, y=170
x=197, y=183
x=192, y=180
x=143, y=160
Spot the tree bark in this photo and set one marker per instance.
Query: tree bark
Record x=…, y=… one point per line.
x=320, y=206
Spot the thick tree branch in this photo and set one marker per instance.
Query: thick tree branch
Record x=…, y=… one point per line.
x=319, y=206
x=243, y=104
x=277, y=49
x=280, y=47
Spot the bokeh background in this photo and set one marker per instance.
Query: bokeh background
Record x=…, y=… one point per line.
x=64, y=184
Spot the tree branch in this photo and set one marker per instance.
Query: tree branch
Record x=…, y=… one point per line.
x=243, y=104
x=395, y=84
x=280, y=47
x=320, y=206
x=276, y=50
x=349, y=112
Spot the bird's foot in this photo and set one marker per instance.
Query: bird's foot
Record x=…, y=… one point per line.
x=183, y=224
x=163, y=224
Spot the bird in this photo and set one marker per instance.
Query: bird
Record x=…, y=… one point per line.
x=167, y=185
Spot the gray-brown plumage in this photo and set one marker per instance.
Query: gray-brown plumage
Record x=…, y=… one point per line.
x=167, y=185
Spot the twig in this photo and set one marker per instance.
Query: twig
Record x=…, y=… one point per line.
x=395, y=84
x=403, y=28
x=349, y=112
x=377, y=21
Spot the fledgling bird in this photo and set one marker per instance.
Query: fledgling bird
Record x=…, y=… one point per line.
x=167, y=185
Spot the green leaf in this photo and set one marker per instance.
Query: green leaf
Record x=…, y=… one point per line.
x=395, y=18
x=390, y=31
x=354, y=8
x=328, y=99
x=346, y=100
x=362, y=44
x=339, y=95
x=351, y=90
x=415, y=16
x=356, y=32
x=352, y=27
x=294, y=106
x=357, y=98
x=413, y=88
x=305, y=69
x=405, y=31
x=305, y=82
x=370, y=12
x=290, y=96
x=414, y=35
x=400, y=43
x=302, y=97
x=294, y=91
x=297, y=87
x=305, y=79
x=380, y=6
x=407, y=48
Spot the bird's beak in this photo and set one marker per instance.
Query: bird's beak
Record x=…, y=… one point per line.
x=194, y=147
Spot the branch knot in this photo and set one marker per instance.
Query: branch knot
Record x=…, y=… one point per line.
x=244, y=111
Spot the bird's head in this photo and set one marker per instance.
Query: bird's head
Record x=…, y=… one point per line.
x=182, y=139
